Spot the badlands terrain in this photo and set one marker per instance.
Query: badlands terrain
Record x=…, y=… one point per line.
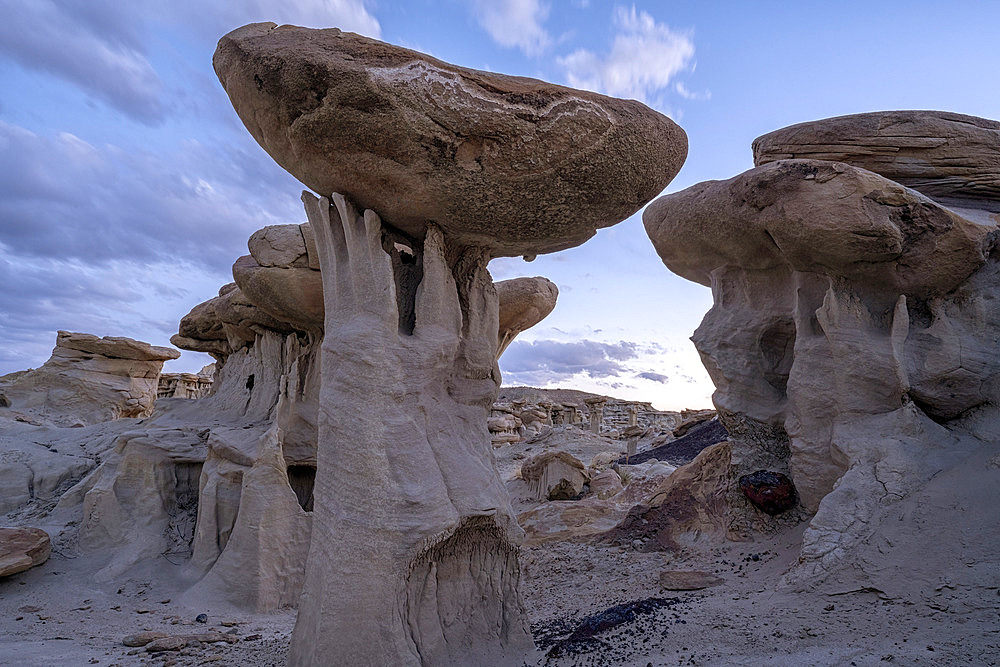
x=350, y=484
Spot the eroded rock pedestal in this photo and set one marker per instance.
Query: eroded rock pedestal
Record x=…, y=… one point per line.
x=427, y=170
x=853, y=334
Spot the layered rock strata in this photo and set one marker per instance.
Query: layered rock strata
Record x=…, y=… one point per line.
x=427, y=170
x=89, y=379
x=853, y=330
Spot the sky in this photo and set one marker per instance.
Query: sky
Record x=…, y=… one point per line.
x=128, y=185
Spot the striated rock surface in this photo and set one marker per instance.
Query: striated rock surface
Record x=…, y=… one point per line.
x=852, y=336
x=485, y=156
x=22, y=549
x=89, y=379
x=948, y=156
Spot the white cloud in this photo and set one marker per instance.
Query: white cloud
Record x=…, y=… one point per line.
x=515, y=23
x=645, y=57
x=687, y=94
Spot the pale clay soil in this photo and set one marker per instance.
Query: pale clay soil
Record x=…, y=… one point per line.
x=55, y=615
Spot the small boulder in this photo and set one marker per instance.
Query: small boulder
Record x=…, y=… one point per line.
x=142, y=638
x=770, y=492
x=606, y=484
x=22, y=549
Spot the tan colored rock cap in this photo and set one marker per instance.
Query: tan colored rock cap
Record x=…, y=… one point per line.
x=512, y=164
x=946, y=156
x=114, y=347
x=826, y=217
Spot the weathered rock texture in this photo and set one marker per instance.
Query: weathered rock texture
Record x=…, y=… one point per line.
x=947, y=156
x=514, y=165
x=22, y=549
x=88, y=380
x=853, y=334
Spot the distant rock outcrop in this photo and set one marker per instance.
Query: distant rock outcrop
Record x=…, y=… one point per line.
x=853, y=335
x=88, y=380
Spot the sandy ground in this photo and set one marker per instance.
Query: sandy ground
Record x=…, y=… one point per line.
x=55, y=615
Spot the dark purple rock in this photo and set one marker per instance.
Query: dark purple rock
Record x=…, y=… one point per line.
x=770, y=492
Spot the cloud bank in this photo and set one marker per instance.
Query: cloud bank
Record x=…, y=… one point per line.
x=645, y=57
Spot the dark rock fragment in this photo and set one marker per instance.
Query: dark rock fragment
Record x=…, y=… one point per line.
x=770, y=492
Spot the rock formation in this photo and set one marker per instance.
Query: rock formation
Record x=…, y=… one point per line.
x=417, y=139
x=852, y=337
x=88, y=380
x=554, y=475
x=22, y=549
x=186, y=385
x=524, y=302
x=949, y=157
x=427, y=171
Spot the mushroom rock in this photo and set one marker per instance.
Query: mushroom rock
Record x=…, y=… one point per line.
x=89, y=379
x=485, y=156
x=852, y=336
x=524, y=302
x=22, y=549
x=554, y=475
x=427, y=170
x=947, y=156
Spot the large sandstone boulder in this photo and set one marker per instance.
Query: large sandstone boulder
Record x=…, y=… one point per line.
x=694, y=500
x=515, y=165
x=22, y=549
x=90, y=379
x=853, y=333
x=948, y=156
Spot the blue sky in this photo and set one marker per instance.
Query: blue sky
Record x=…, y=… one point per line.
x=128, y=186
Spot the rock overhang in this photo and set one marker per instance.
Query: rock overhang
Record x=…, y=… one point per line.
x=818, y=216
x=512, y=164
